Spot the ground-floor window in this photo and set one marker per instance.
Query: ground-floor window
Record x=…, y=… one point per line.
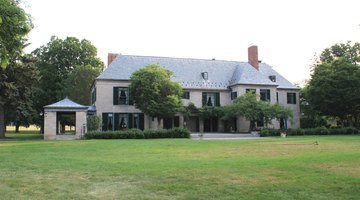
x=122, y=121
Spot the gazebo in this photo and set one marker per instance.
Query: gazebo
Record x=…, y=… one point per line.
x=57, y=113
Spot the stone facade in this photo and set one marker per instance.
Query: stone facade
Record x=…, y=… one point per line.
x=104, y=104
x=214, y=79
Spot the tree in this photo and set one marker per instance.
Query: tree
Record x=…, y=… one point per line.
x=15, y=24
x=21, y=109
x=56, y=61
x=311, y=118
x=253, y=110
x=334, y=89
x=154, y=93
x=78, y=83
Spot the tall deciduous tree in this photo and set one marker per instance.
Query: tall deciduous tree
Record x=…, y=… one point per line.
x=20, y=79
x=56, y=62
x=79, y=82
x=334, y=89
x=154, y=93
x=15, y=24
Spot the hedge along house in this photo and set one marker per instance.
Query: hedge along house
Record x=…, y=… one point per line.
x=61, y=112
x=205, y=82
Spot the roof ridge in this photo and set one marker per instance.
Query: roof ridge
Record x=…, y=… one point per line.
x=203, y=59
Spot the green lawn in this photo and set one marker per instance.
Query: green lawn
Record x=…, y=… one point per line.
x=271, y=168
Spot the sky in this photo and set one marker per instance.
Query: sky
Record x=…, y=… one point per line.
x=289, y=34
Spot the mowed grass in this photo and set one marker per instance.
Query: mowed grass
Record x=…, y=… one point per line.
x=271, y=168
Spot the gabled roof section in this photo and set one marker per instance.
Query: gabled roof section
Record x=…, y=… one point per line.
x=221, y=74
x=65, y=104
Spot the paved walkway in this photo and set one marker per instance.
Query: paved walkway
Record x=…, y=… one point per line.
x=223, y=136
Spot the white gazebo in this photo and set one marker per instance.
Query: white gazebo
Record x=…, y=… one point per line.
x=56, y=113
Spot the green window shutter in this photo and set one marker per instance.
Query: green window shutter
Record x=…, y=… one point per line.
x=141, y=121
x=217, y=99
x=104, y=121
x=204, y=96
x=116, y=96
x=130, y=121
x=131, y=100
x=116, y=121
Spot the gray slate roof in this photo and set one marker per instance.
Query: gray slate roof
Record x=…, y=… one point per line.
x=221, y=74
x=65, y=104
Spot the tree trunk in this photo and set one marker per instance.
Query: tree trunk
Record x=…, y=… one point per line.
x=2, y=122
x=17, y=125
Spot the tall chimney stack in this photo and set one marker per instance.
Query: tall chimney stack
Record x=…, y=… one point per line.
x=111, y=57
x=253, y=58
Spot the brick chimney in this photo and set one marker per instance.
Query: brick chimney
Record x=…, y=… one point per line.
x=253, y=58
x=111, y=57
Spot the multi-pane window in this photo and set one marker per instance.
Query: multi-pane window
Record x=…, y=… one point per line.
x=107, y=121
x=211, y=98
x=233, y=95
x=253, y=91
x=122, y=96
x=265, y=94
x=122, y=121
x=186, y=95
x=291, y=98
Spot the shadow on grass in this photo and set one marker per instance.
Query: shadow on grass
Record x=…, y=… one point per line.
x=23, y=135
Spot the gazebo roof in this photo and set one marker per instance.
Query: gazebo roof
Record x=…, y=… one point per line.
x=65, y=104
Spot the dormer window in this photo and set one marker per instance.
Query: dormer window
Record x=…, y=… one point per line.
x=272, y=78
x=204, y=75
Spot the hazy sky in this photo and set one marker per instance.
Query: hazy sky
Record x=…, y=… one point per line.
x=288, y=33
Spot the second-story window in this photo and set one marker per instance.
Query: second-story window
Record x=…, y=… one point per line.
x=265, y=94
x=211, y=98
x=291, y=98
x=122, y=96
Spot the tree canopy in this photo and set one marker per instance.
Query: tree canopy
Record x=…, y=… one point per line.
x=67, y=68
x=78, y=83
x=154, y=93
x=15, y=24
x=334, y=87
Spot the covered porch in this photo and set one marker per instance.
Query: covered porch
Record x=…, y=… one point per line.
x=62, y=113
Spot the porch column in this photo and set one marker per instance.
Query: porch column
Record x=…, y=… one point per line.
x=50, y=125
x=181, y=121
x=201, y=124
x=80, y=124
x=221, y=127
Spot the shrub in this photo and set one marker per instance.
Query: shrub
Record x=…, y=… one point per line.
x=93, y=123
x=270, y=132
x=139, y=134
x=310, y=131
